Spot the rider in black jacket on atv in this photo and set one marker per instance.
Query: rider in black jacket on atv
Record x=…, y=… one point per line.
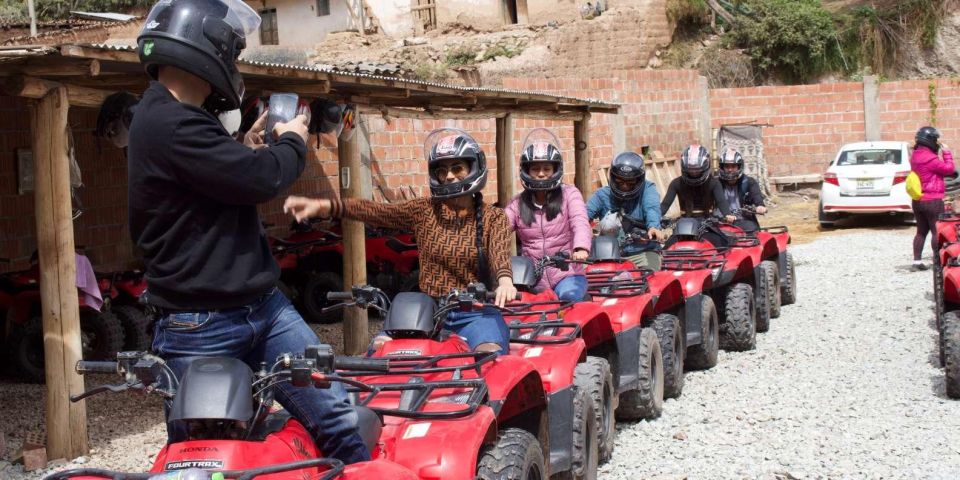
x=741, y=191
x=700, y=193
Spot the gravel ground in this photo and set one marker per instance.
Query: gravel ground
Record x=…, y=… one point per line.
x=843, y=386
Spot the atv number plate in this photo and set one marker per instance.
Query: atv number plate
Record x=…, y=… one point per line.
x=865, y=183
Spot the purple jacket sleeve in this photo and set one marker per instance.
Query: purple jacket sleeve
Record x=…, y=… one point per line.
x=579, y=222
x=946, y=167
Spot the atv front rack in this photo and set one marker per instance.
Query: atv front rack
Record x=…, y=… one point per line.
x=777, y=229
x=706, y=258
x=420, y=364
x=416, y=393
x=543, y=333
x=335, y=468
x=605, y=284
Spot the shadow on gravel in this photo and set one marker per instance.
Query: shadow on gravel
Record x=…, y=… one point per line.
x=938, y=385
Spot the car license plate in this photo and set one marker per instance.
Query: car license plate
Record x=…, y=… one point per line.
x=865, y=183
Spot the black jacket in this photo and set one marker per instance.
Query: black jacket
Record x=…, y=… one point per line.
x=695, y=201
x=193, y=195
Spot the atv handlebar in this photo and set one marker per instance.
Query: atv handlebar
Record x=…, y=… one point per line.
x=341, y=296
x=361, y=296
x=363, y=364
x=90, y=366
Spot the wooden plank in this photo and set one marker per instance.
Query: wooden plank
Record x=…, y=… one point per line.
x=66, y=421
x=356, y=20
x=581, y=155
x=32, y=87
x=44, y=67
x=354, y=183
x=427, y=6
x=506, y=162
x=479, y=114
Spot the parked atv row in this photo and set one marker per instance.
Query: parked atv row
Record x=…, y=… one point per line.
x=946, y=294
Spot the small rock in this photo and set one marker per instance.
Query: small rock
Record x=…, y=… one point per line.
x=80, y=460
x=680, y=436
x=414, y=41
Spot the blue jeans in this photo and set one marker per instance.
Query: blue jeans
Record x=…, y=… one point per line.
x=572, y=288
x=256, y=333
x=480, y=326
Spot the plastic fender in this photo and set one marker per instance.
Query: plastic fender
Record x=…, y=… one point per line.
x=610, y=266
x=782, y=239
x=743, y=265
x=628, y=312
x=23, y=304
x=669, y=291
x=949, y=251
x=417, y=346
x=377, y=469
x=770, y=250
x=691, y=281
x=628, y=359
x=134, y=288
x=288, y=261
x=290, y=444
x=946, y=231
x=515, y=387
x=555, y=363
x=441, y=449
x=595, y=327
x=951, y=282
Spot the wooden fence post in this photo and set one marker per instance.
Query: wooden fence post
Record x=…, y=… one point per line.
x=352, y=180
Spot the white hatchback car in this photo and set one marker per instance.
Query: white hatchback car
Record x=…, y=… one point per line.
x=866, y=177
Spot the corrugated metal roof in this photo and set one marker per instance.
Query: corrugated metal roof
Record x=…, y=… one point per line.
x=104, y=16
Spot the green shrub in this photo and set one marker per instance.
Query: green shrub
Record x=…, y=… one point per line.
x=461, y=55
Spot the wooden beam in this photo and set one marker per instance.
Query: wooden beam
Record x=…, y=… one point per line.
x=581, y=156
x=354, y=183
x=31, y=87
x=43, y=67
x=506, y=164
x=66, y=421
x=477, y=114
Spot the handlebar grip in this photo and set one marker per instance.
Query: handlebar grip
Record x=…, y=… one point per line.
x=363, y=364
x=339, y=296
x=89, y=366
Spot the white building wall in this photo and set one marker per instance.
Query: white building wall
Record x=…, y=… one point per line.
x=394, y=16
x=298, y=23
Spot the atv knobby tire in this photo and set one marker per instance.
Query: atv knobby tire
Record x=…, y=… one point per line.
x=583, y=464
x=595, y=378
x=788, y=282
x=26, y=348
x=314, y=297
x=672, y=348
x=950, y=341
x=770, y=270
x=516, y=455
x=101, y=337
x=704, y=355
x=136, y=333
x=938, y=293
x=646, y=400
x=761, y=291
x=738, y=331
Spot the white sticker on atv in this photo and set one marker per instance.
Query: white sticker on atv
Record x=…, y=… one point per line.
x=416, y=430
x=533, y=352
x=609, y=301
x=678, y=274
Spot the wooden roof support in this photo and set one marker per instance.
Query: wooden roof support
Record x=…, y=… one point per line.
x=478, y=114
x=355, y=182
x=581, y=156
x=506, y=163
x=66, y=421
x=42, y=67
x=31, y=87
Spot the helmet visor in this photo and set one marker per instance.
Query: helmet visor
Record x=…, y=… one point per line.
x=541, y=140
x=181, y=20
x=241, y=17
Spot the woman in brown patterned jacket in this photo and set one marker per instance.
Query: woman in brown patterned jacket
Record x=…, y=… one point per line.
x=460, y=238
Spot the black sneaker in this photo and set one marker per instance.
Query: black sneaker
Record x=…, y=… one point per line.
x=918, y=267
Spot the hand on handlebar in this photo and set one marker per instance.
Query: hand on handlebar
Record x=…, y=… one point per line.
x=761, y=210
x=729, y=218
x=580, y=255
x=505, y=292
x=655, y=234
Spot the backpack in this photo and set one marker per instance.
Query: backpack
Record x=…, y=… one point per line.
x=914, y=188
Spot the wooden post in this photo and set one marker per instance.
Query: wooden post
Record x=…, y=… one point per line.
x=506, y=164
x=66, y=421
x=354, y=183
x=581, y=155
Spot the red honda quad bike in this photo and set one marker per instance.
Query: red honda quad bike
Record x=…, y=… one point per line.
x=946, y=232
x=233, y=425
x=946, y=281
x=101, y=331
x=121, y=293
x=737, y=286
x=527, y=419
x=392, y=266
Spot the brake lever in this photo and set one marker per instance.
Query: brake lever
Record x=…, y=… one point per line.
x=337, y=306
x=99, y=390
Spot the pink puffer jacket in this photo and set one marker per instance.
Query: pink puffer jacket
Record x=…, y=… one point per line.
x=931, y=171
x=569, y=230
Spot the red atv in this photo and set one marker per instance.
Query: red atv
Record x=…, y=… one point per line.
x=531, y=416
x=233, y=425
x=101, y=331
x=946, y=292
x=121, y=292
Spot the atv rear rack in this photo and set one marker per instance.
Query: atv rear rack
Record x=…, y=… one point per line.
x=777, y=229
x=415, y=394
x=604, y=284
x=419, y=364
x=335, y=469
x=706, y=258
x=543, y=329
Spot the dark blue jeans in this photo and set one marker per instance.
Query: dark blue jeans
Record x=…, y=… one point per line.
x=256, y=333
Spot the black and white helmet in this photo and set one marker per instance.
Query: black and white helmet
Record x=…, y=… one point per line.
x=541, y=146
x=731, y=157
x=928, y=137
x=449, y=144
x=695, y=165
x=627, y=166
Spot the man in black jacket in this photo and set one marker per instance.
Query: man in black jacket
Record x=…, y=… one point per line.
x=699, y=192
x=193, y=195
x=741, y=191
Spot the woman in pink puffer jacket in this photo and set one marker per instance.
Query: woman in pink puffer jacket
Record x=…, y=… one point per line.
x=931, y=170
x=550, y=217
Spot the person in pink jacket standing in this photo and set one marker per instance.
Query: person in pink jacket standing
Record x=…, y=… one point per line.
x=550, y=217
x=931, y=169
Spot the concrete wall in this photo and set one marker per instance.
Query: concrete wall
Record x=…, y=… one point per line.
x=298, y=23
x=394, y=16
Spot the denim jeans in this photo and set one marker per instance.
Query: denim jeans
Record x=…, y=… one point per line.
x=480, y=326
x=256, y=333
x=572, y=288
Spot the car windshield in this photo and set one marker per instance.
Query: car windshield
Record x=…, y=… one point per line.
x=870, y=157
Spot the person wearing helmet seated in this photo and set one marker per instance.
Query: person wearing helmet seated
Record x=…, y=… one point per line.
x=460, y=239
x=629, y=198
x=193, y=196
x=699, y=192
x=741, y=191
x=549, y=216
x=931, y=168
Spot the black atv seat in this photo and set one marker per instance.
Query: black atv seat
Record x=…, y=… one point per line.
x=398, y=246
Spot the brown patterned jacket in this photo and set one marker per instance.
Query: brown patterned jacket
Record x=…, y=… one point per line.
x=446, y=243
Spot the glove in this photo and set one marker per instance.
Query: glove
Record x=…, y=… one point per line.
x=610, y=224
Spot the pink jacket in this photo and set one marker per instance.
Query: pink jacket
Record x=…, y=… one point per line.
x=570, y=229
x=931, y=171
